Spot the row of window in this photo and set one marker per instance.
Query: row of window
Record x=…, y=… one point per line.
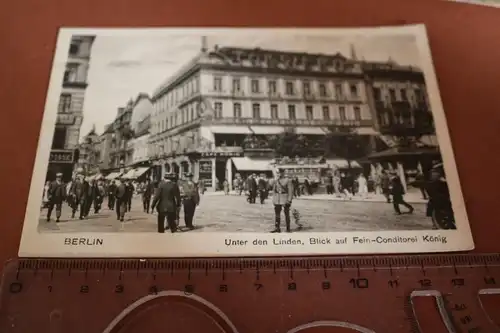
x=292, y=112
x=173, y=97
x=290, y=87
x=401, y=94
x=184, y=115
x=188, y=114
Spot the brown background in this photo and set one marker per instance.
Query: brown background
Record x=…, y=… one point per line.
x=465, y=43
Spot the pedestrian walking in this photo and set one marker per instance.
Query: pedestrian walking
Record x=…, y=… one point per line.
x=146, y=195
x=397, y=191
x=56, y=194
x=385, y=185
x=130, y=194
x=79, y=193
x=99, y=193
x=166, y=200
x=362, y=185
x=346, y=183
x=282, y=200
x=190, y=200
x=252, y=188
x=262, y=186
x=225, y=184
x=111, y=195
x=121, y=200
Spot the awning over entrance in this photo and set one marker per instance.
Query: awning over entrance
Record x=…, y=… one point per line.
x=230, y=129
x=129, y=174
x=365, y=131
x=429, y=140
x=113, y=175
x=310, y=130
x=262, y=130
x=341, y=163
x=140, y=171
x=95, y=177
x=250, y=164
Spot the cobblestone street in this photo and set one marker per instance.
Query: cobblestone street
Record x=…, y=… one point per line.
x=219, y=213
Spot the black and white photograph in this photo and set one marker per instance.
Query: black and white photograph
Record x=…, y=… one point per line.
x=235, y=142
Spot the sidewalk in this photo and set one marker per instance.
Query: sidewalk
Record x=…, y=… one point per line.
x=411, y=198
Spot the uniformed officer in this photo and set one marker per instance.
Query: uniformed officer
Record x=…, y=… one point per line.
x=191, y=199
x=282, y=200
x=56, y=196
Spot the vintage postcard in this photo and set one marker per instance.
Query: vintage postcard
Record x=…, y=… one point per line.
x=243, y=142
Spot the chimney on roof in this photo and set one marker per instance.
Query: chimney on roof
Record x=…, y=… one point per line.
x=204, y=46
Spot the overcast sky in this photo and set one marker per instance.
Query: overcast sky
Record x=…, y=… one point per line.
x=123, y=66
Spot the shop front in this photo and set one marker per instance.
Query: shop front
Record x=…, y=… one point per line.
x=61, y=161
x=210, y=166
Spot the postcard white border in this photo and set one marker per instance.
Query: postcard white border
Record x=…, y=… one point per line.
x=122, y=244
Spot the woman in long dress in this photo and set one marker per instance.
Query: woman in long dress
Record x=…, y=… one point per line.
x=362, y=185
x=45, y=197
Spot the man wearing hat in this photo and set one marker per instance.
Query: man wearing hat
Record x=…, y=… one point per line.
x=282, y=200
x=79, y=190
x=56, y=196
x=166, y=200
x=121, y=200
x=191, y=199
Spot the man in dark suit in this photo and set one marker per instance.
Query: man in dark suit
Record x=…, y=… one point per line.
x=398, y=191
x=252, y=188
x=56, y=196
x=146, y=195
x=111, y=195
x=79, y=191
x=130, y=194
x=121, y=200
x=167, y=199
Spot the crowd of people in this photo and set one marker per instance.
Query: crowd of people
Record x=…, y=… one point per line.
x=86, y=197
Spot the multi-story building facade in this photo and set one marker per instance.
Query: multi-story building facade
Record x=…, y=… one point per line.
x=399, y=99
x=64, y=153
x=89, y=153
x=105, y=147
x=120, y=151
x=204, y=114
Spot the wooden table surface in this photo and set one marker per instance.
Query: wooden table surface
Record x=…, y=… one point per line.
x=465, y=42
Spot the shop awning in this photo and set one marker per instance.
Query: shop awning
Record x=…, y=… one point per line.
x=95, y=177
x=341, y=163
x=250, y=164
x=365, y=131
x=129, y=174
x=429, y=140
x=140, y=171
x=113, y=175
x=230, y=129
x=310, y=130
x=262, y=130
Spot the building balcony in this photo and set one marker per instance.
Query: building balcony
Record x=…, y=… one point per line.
x=292, y=122
x=416, y=129
x=309, y=97
x=75, y=84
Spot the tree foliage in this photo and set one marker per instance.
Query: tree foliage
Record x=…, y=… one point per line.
x=343, y=142
x=290, y=144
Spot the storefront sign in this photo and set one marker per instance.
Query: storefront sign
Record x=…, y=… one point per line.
x=206, y=167
x=61, y=156
x=220, y=154
x=65, y=119
x=205, y=174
